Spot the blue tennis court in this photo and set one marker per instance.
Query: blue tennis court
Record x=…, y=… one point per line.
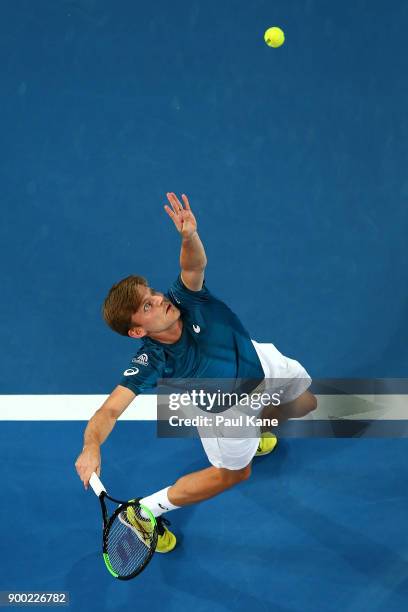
x=294, y=160
x=320, y=524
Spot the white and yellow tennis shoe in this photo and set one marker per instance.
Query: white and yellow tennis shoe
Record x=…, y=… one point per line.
x=267, y=443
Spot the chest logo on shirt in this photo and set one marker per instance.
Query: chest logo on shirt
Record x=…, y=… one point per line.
x=131, y=371
x=197, y=329
x=142, y=359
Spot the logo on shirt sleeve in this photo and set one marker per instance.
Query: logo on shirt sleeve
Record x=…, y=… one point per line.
x=197, y=329
x=131, y=371
x=143, y=359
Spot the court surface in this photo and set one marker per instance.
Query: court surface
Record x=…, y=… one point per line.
x=321, y=524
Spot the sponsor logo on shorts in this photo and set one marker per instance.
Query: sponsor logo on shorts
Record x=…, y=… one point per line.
x=131, y=371
x=143, y=359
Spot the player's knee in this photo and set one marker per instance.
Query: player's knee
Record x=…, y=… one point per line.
x=232, y=477
x=307, y=403
x=237, y=476
x=312, y=402
x=245, y=473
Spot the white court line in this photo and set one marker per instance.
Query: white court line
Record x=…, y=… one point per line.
x=69, y=407
x=144, y=408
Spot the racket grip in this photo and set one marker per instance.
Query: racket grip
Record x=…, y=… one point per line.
x=96, y=484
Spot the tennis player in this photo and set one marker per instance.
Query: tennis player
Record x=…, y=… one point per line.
x=189, y=333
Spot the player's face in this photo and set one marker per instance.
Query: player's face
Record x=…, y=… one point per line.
x=156, y=313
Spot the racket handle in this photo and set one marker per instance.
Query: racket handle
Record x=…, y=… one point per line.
x=96, y=484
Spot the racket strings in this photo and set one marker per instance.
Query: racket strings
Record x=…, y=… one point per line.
x=143, y=528
x=130, y=541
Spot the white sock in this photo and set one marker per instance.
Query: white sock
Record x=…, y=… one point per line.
x=158, y=503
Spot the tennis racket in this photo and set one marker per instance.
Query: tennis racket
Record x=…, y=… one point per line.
x=129, y=539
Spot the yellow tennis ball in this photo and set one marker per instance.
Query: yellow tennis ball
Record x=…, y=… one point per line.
x=274, y=37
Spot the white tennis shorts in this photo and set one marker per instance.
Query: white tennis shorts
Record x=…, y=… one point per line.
x=236, y=453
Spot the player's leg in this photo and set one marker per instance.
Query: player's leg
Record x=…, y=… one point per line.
x=297, y=408
x=211, y=481
x=195, y=487
x=188, y=489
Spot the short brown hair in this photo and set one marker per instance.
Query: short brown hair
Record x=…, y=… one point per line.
x=122, y=302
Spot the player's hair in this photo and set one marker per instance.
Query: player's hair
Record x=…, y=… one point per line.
x=122, y=301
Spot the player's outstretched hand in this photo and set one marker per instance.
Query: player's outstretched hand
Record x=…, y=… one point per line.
x=88, y=461
x=182, y=217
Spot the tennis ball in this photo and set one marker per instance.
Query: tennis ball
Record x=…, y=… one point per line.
x=274, y=37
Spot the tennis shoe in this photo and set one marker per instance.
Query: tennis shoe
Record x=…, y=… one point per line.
x=267, y=443
x=143, y=528
x=166, y=540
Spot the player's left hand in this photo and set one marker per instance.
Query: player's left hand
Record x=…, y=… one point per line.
x=183, y=218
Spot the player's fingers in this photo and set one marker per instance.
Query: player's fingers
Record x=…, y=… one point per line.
x=170, y=199
x=169, y=211
x=174, y=217
x=80, y=471
x=174, y=201
x=177, y=201
x=185, y=200
x=85, y=478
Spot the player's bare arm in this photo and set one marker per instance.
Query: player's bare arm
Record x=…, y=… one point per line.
x=193, y=259
x=98, y=429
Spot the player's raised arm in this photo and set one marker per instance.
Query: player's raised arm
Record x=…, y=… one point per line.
x=98, y=429
x=192, y=256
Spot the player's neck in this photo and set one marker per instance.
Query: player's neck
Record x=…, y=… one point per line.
x=171, y=335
